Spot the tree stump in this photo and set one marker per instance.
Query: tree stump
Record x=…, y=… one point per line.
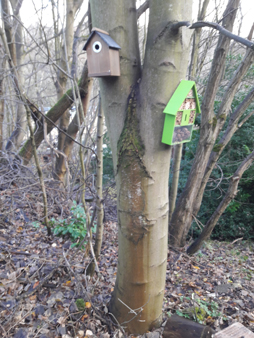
x=179, y=327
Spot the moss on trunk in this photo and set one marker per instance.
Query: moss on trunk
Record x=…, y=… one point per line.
x=130, y=143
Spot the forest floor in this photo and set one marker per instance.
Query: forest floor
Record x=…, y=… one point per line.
x=39, y=289
x=46, y=292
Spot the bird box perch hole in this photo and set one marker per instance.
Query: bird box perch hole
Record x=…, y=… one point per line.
x=102, y=54
x=180, y=114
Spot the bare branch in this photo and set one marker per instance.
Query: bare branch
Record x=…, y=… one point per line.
x=74, y=46
x=39, y=171
x=202, y=11
x=237, y=114
x=180, y=24
x=43, y=42
x=222, y=30
x=77, y=4
x=33, y=107
x=245, y=119
x=142, y=8
x=251, y=32
x=46, y=54
x=16, y=5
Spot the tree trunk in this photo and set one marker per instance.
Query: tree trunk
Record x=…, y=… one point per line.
x=15, y=44
x=141, y=161
x=65, y=56
x=182, y=216
x=192, y=74
x=8, y=28
x=231, y=193
x=72, y=131
x=3, y=62
x=233, y=123
x=99, y=181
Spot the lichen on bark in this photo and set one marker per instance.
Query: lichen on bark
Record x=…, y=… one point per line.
x=223, y=117
x=213, y=122
x=217, y=148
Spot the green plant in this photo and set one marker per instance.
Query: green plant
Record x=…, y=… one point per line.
x=183, y=314
x=81, y=305
x=211, y=308
x=36, y=224
x=74, y=227
x=200, y=311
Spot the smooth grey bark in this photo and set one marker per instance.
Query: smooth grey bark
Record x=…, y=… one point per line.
x=133, y=104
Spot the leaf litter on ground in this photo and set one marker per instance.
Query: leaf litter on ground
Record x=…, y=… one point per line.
x=42, y=296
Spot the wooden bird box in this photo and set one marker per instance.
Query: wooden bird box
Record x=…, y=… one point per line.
x=102, y=54
x=180, y=114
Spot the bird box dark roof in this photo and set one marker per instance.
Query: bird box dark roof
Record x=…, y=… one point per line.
x=104, y=36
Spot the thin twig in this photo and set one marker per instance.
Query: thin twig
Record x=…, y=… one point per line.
x=56, y=126
x=74, y=274
x=49, y=58
x=43, y=189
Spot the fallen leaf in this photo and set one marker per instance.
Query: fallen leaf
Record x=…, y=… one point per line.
x=36, y=284
x=68, y=283
x=61, y=320
x=89, y=333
